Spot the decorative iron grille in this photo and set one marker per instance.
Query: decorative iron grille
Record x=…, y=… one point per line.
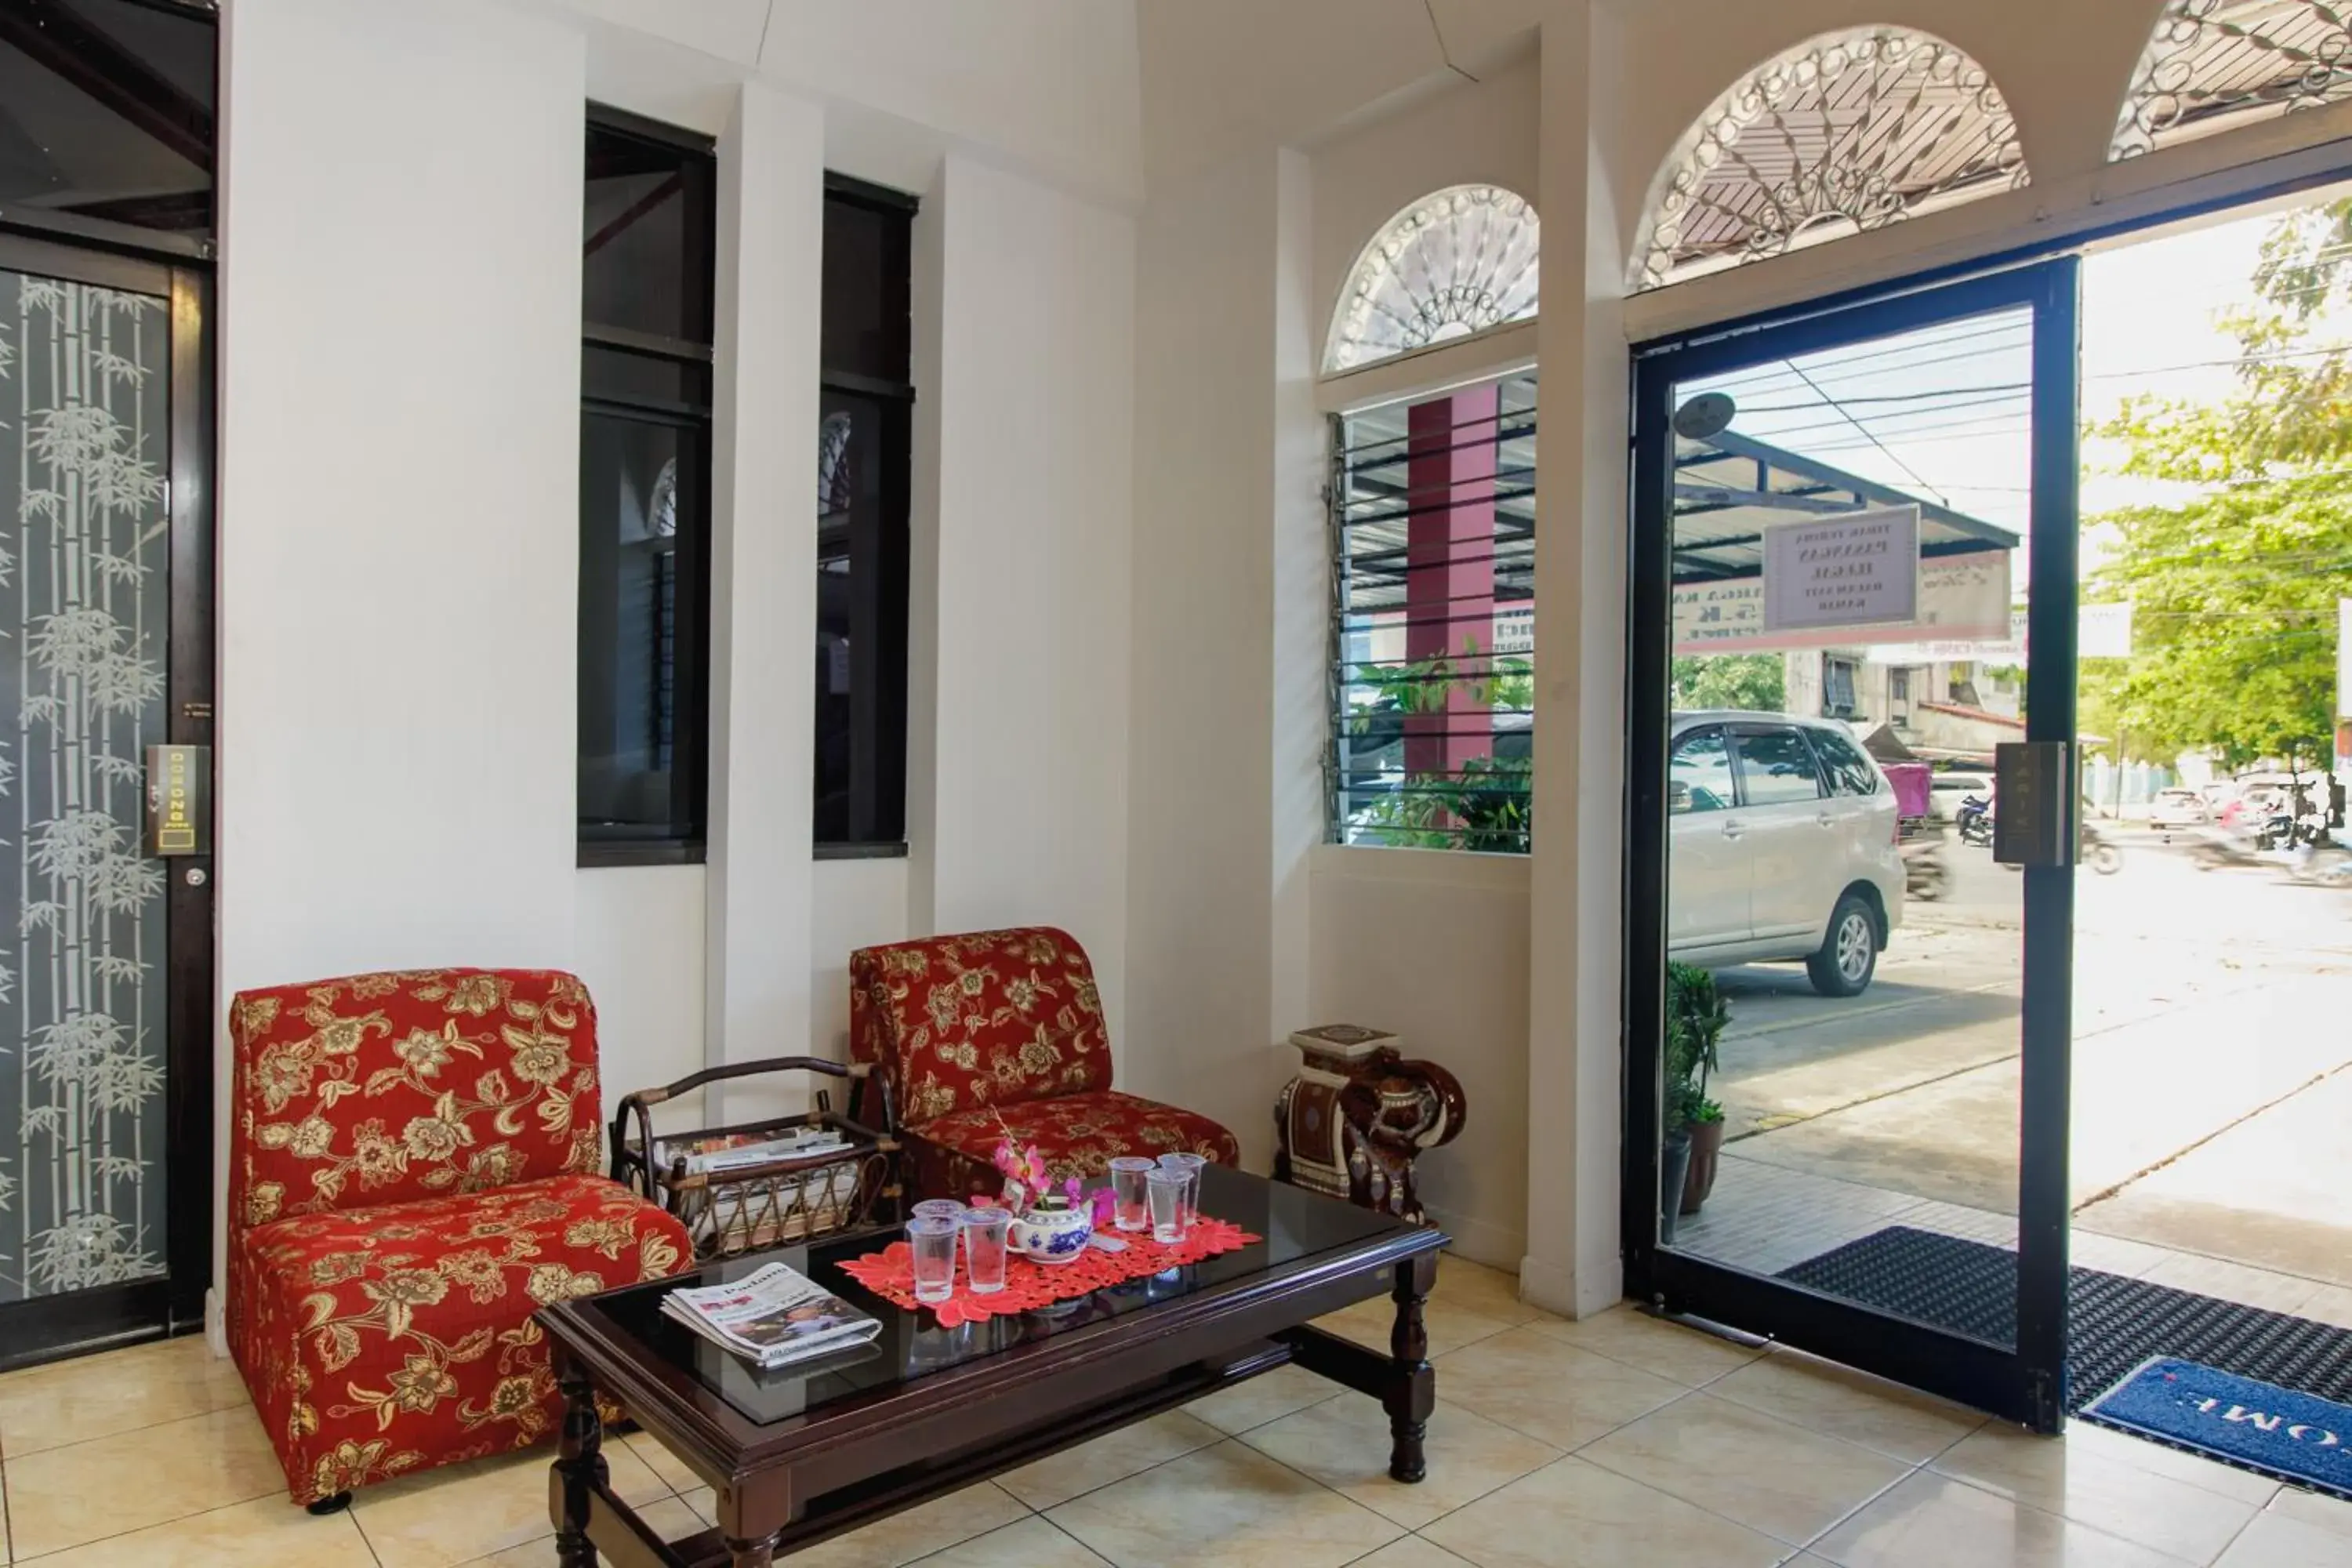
x=1847, y=132
x=1456, y=262
x=2213, y=64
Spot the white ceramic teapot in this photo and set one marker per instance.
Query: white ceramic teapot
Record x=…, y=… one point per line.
x=1052, y=1230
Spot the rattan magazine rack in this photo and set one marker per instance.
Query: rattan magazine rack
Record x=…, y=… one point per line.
x=775, y=1182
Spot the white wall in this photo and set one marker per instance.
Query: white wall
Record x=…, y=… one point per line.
x=1433, y=945
x=399, y=452
x=640, y=949
x=855, y=904
x=1200, y=844
x=1026, y=376
x=763, y=587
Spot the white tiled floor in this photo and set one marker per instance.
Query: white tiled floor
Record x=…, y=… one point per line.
x=1617, y=1439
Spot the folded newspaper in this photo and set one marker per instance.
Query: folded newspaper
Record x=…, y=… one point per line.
x=774, y=1316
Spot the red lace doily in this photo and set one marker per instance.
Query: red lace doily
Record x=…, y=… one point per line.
x=890, y=1273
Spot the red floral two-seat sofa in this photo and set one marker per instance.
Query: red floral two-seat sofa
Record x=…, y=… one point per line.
x=412, y=1175
x=998, y=1031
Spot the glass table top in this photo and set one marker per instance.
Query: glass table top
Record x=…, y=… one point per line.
x=1296, y=1226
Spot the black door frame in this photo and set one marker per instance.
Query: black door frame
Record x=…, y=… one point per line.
x=44, y=1327
x=2024, y=1382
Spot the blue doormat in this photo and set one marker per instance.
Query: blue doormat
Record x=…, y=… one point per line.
x=2278, y=1431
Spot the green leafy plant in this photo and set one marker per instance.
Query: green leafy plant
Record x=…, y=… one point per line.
x=1483, y=807
x=1756, y=681
x=1695, y=1018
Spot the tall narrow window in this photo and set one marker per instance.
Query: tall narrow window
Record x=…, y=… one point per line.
x=647, y=290
x=862, y=440
x=1433, y=676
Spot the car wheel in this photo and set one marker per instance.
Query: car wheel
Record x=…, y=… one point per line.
x=1849, y=955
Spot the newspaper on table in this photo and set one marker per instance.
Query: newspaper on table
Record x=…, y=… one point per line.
x=774, y=1316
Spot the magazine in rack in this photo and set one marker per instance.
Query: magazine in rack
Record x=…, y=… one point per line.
x=774, y=1316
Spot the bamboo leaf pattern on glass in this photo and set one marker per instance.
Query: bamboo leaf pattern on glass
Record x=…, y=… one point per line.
x=83, y=375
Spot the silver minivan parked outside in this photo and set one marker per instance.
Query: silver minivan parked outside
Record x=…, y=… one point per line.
x=1782, y=846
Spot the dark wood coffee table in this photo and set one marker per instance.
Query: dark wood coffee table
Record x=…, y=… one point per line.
x=808, y=1452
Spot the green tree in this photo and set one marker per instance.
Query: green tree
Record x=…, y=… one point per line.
x=1758, y=682
x=2234, y=590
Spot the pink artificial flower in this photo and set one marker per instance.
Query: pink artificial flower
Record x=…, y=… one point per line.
x=1103, y=1209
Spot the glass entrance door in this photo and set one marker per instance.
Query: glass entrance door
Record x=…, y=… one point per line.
x=104, y=1004
x=1847, y=1019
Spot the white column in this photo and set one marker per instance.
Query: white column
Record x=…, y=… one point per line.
x=1573, y=1263
x=762, y=580
x=1300, y=537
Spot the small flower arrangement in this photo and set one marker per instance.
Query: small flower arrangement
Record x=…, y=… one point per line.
x=1028, y=1183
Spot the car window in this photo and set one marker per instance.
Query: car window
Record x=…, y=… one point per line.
x=1849, y=771
x=1699, y=776
x=1776, y=766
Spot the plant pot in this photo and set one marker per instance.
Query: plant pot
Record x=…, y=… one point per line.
x=1706, y=1144
x=1674, y=1169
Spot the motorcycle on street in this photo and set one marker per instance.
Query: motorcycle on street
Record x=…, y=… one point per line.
x=1974, y=821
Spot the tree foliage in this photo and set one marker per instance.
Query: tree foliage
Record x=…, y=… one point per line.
x=2234, y=589
x=1756, y=681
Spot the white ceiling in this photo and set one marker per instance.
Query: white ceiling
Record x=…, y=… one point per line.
x=1219, y=76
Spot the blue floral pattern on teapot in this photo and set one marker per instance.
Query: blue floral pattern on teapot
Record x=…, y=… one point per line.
x=1052, y=1232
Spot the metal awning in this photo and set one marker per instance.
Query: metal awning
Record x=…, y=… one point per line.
x=1729, y=489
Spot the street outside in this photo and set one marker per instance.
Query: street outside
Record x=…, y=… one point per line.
x=2211, y=1107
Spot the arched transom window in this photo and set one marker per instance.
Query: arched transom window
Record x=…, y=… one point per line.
x=2212, y=64
x=1453, y=263
x=1845, y=132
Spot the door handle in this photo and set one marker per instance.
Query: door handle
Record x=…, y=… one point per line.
x=1823, y=819
x=1731, y=830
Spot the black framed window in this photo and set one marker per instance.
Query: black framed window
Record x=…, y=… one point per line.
x=107, y=116
x=865, y=428
x=646, y=298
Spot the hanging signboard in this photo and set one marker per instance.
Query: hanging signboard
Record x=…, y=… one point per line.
x=1962, y=598
x=1860, y=569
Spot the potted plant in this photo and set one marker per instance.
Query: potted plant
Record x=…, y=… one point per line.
x=1674, y=1145
x=1696, y=1017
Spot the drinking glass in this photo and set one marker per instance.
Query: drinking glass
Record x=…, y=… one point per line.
x=1163, y=1187
x=1191, y=1165
x=933, y=1238
x=983, y=1248
x=1130, y=1209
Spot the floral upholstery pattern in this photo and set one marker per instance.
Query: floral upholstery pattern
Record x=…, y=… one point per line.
x=989, y=1030
x=1079, y=1135
x=411, y=1177
x=386, y=1340
x=992, y=1018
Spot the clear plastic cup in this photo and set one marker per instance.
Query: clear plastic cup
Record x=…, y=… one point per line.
x=983, y=1248
x=933, y=1238
x=1163, y=1187
x=938, y=1208
x=1191, y=1165
x=1130, y=1205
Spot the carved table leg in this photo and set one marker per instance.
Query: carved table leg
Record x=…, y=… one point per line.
x=758, y=1553
x=578, y=1468
x=1411, y=1391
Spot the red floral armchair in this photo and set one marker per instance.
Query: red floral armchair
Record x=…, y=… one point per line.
x=1004, y=1029
x=411, y=1177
